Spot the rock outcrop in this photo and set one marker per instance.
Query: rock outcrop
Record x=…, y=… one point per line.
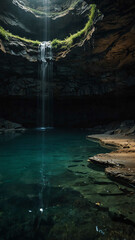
x=125, y=175
x=10, y=127
x=18, y=65
x=120, y=163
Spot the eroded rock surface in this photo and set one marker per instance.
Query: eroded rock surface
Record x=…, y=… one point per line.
x=119, y=163
x=127, y=175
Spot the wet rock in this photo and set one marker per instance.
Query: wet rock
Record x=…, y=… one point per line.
x=117, y=216
x=126, y=175
x=77, y=161
x=79, y=172
x=8, y=126
x=19, y=48
x=81, y=184
x=119, y=164
x=72, y=166
x=82, y=203
x=104, y=162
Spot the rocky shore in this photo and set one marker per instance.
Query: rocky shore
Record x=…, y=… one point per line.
x=7, y=126
x=120, y=162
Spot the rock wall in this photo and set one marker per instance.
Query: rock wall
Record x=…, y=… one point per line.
x=105, y=63
x=92, y=83
x=22, y=21
x=103, y=69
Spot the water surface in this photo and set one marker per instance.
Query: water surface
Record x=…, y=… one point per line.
x=49, y=191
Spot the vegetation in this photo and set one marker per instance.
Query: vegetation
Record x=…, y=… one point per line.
x=6, y=35
x=73, y=38
x=56, y=43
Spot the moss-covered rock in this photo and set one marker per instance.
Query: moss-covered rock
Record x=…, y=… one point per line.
x=80, y=35
x=29, y=22
x=8, y=36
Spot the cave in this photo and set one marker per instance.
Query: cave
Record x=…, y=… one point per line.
x=67, y=119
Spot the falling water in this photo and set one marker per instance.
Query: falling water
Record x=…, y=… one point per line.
x=46, y=77
x=46, y=98
x=46, y=51
x=46, y=69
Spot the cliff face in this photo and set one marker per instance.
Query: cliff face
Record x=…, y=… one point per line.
x=102, y=72
x=19, y=68
x=105, y=63
x=92, y=83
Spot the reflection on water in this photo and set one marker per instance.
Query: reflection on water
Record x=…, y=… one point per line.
x=48, y=191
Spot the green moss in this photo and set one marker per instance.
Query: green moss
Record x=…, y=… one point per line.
x=73, y=38
x=6, y=35
x=56, y=43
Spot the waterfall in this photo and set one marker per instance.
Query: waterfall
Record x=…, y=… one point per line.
x=45, y=57
x=45, y=121
x=46, y=51
x=46, y=97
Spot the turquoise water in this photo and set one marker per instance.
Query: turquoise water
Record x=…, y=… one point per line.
x=48, y=191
